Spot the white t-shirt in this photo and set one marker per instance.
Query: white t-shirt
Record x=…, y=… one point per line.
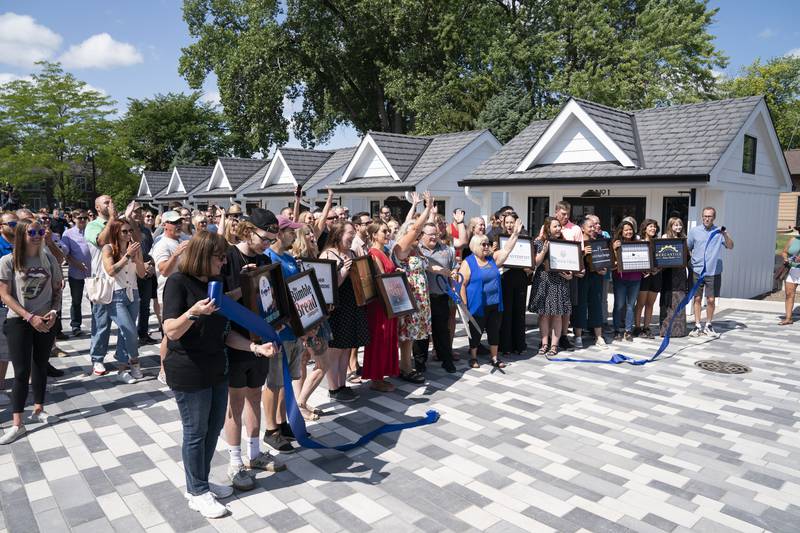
x=162, y=251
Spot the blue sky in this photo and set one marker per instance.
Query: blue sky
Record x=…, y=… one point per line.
x=130, y=48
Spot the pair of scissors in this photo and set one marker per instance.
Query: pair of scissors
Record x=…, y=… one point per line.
x=452, y=287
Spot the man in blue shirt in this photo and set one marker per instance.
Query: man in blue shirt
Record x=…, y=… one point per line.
x=8, y=223
x=278, y=434
x=80, y=264
x=706, y=252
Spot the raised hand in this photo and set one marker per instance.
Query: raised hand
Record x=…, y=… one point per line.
x=415, y=198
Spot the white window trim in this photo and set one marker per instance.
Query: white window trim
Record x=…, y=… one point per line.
x=218, y=181
x=573, y=109
x=268, y=175
x=143, y=185
x=175, y=183
x=368, y=141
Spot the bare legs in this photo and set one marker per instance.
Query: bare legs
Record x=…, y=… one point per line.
x=337, y=359
x=790, y=288
x=406, y=365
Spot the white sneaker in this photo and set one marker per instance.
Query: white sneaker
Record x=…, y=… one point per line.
x=207, y=505
x=4, y=399
x=12, y=434
x=125, y=377
x=578, y=343
x=710, y=332
x=99, y=369
x=162, y=377
x=601, y=342
x=43, y=418
x=136, y=371
x=697, y=331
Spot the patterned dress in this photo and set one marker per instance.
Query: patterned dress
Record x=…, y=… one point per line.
x=416, y=326
x=348, y=321
x=550, y=292
x=380, y=355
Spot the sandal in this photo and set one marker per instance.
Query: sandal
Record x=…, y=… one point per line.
x=381, y=385
x=552, y=352
x=473, y=363
x=785, y=322
x=497, y=363
x=309, y=414
x=543, y=349
x=353, y=377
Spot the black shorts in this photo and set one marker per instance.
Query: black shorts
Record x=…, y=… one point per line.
x=490, y=323
x=247, y=372
x=712, y=285
x=651, y=283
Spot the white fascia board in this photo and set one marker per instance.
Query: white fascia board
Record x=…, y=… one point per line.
x=175, y=183
x=366, y=142
x=218, y=177
x=759, y=111
x=487, y=137
x=573, y=109
x=144, y=189
x=275, y=169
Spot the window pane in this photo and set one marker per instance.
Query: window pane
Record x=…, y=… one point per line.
x=749, y=155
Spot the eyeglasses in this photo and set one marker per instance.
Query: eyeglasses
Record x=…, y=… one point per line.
x=265, y=239
x=12, y=224
x=485, y=244
x=234, y=216
x=202, y=222
x=35, y=232
x=430, y=234
x=332, y=217
x=83, y=218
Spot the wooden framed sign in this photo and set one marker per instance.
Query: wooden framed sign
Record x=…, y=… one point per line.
x=327, y=277
x=263, y=293
x=670, y=253
x=363, y=279
x=635, y=256
x=521, y=255
x=396, y=294
x=306, y=304
x=600, y=255
x=564, y=256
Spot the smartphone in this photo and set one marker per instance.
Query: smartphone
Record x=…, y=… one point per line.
x=298, y=190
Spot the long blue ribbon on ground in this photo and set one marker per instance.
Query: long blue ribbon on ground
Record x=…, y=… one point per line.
x=618, y=358
x=235, y=312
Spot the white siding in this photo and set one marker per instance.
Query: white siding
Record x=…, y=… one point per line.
x=370, y=165
x=768, y=173
x=285, y=177
x=574, y=144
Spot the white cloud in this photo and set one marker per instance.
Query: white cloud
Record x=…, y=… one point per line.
x=793, y=53
x=23, y=41
x=6, y=77
x=767, y=33
x=212, y=97
x=89, y=87
x=101, y=51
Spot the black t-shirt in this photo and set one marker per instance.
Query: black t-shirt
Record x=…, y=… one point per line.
x=231, y=276
x=322, y=240
x=197, y=360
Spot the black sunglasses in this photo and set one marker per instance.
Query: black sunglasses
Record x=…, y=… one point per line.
x=12, y=224
x=35, y=232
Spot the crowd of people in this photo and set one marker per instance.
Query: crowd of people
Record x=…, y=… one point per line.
x=130, y=263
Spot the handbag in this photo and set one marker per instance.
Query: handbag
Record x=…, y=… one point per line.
x=100, y=289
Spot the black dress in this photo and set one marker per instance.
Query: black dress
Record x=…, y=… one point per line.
x=348, y=321
x=550, y=293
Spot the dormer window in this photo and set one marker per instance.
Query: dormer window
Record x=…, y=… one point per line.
x=749, y=155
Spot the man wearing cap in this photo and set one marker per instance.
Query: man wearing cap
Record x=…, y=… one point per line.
x=166, y=254
x=278, y=433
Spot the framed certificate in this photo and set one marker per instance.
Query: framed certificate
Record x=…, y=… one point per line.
x=363, y=278
x=564, y=256
x=635, y=256
x=521, y=255
x=306, y=304
x=396, y=294
x=327, y=277
x=263, y=293
x=670, y=253
x=600, y=255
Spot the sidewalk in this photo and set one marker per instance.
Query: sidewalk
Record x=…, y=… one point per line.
x=539, y=447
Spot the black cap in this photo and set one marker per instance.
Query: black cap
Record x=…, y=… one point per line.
x=264, y=219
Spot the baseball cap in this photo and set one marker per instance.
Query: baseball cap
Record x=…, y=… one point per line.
x=171, y=216
x=264, y=219
x=286, y=223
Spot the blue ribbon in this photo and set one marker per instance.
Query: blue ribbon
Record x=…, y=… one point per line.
x=249, y=320
x=619, y=358
x=451, y=287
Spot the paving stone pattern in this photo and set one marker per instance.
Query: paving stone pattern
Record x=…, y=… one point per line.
x=538, y=447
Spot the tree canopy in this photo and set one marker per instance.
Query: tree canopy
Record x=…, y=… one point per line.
x=424, y=66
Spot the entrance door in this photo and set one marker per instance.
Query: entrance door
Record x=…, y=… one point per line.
x=398, y=206
x=610, y=210
x=675, y=206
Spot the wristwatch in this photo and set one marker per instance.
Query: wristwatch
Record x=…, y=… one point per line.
x=193, y=318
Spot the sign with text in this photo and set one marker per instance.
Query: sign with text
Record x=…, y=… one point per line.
x=521, y=256
x=327, y=277
x=363, y=279
x=564, y=256
x=307, y=306
x=670, y=253
x=600, y=255
x=262, y=293
x=396, y=294
x=635, y=257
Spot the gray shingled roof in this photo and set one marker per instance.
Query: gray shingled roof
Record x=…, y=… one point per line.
x=438, y=150
x=402, y=151
x=793, y=161
x=191, y=178
x=303, y=163
x=683, y=141
x=238, y=170
x=336, y=163
x=619, y=125
x=156, y=182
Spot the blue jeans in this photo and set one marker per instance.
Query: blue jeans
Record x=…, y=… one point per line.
x=202, y=415
x=124, y=312
x=625, y=293
x=101, y=329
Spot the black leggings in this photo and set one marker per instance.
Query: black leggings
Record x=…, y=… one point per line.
x=490, y=323
x=29, y=351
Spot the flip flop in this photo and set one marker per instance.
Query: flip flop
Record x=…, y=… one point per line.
x=785, y=322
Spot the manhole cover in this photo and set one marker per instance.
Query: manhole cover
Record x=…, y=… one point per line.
x=723, y=367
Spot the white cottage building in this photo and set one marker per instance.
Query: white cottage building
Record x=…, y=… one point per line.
x=151, y=183
x=182, y=181
x=228, y=175
x=387, y=167
x=656, y=163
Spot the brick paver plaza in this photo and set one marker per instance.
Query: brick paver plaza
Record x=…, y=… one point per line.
x=539, y=447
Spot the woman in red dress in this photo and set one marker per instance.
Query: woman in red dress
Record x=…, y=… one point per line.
x=380, y=355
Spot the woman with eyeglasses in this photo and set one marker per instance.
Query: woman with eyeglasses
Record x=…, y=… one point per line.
x=30, y=286
x=149, y=220
x=123, y=261
x=482, y=293
x=196, y=364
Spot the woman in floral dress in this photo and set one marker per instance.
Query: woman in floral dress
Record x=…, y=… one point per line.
x=415, y=326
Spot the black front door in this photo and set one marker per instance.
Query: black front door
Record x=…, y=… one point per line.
x=610, y=210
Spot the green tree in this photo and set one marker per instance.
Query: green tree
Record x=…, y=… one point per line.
x=156, y=132
x=779, y=81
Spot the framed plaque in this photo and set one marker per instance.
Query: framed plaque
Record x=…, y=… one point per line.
x=363, y=278
x=564, y=256
x=600, y=255
x=635, y=256
x=396, y=294
x=327, y=277
x=263, y=293
x=670, y=253
x=521, y=256
x=306, y=304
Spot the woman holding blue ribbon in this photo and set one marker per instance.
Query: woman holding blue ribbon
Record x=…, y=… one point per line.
x=196, y=364
x=482, y=293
